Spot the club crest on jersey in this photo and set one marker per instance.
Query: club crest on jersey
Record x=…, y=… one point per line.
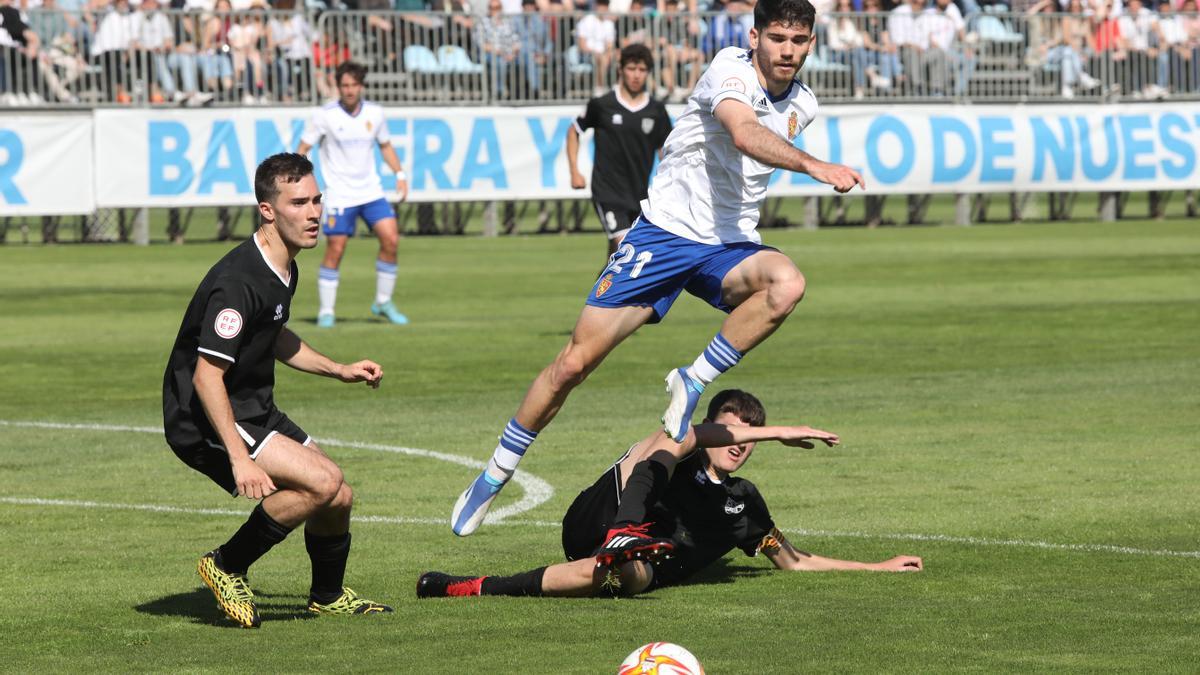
x=733, y=508
x=368, y=125
x=278, y=312
x=604, y=285
x=647, y=125
x=228, y=323
x=617, y=119
x=793, y=125
x=701, y=477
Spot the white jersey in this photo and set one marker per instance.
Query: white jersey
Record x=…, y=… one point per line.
x=347, y=145
x=705, y=189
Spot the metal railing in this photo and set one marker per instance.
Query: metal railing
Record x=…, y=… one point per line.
x=288, y=57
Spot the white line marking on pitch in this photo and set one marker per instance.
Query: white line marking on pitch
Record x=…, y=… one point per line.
x=401, y=520
x=536, y=491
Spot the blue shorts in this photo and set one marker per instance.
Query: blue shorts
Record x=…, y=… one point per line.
x=342, y=220
x=652, y=266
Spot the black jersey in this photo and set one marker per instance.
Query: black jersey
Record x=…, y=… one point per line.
x=236, y=315
x=709, y=519
x=705, y=519
x=626, y=140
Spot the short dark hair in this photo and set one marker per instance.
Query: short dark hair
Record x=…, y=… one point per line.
x=289, y=166
x=355, y=70
x=785, y=12
x=637, y=53
x=748, y=408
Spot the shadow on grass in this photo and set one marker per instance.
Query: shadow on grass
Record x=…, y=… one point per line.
x=199, y=606
x=724, y=571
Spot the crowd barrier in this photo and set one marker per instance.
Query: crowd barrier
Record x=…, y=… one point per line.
x=261, y=57
x=72, y=163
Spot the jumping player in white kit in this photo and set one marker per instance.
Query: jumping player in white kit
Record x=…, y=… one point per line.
x=697, y=232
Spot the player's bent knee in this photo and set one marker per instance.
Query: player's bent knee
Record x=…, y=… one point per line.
x=326, y=483
x=569, y=369
x=635, y=577
x=344, y=498
x=787, y=292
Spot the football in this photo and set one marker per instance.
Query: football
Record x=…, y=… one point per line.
x=663, y=658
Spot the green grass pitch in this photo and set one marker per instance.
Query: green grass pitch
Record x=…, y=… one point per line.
x=1020, y=405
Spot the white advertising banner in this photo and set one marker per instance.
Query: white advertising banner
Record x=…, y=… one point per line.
x=46, y=164
x=196, y=157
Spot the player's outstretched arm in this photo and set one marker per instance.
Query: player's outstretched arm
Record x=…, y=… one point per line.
x=756, y=141
x=296, y=353
x=787, y=557
x=712, y=435
x=577, y=180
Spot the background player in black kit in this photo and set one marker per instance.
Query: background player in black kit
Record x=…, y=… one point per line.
x=630, y=128
x=219, y=411
x=703, y=514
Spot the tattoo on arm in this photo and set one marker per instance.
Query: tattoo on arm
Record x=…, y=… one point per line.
x=774, y=541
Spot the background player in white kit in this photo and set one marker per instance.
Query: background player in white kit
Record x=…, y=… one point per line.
x=696, y=233
x=348, y=130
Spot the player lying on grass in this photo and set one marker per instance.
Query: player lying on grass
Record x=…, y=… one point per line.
x=703, y=513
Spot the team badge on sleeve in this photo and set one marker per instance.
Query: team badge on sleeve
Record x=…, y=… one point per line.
x=228, y=324
x=734, y=83
x=604, y=285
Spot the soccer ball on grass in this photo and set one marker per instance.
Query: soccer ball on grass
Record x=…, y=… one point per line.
x=661, y=658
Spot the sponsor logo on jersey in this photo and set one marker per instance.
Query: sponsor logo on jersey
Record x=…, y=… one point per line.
x=278, y=312
x=604, y=285
x=617, y=119
x=647, y=125
x=761, y=103
x=701, y=477
x=733, y=508
x=793, y=125
x=228, y=323
x=734, y=83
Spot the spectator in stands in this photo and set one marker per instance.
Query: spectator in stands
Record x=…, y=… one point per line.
x=291, y=38
x=1191, y=25
x=19, y=47
x=533, y=30
x=946, y=53
x=883, y=60
x=111, y=47
x=1139, y=29
x=847, y=45
x=247, y=43
x=330, y=51
x=1060, y=42
x=216, y=62
x=1174, y=52
x=910, y=43
x=57, y=32
x=633, y=26
x=153, y=44
x=679, y=35
x=596, y=38
x=1109, y=57
x=730, y=28
x=497, y=39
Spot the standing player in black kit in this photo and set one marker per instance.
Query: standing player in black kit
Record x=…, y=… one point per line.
x=219, y=411
x=630, y=127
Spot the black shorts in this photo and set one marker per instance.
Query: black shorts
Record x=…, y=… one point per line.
x=200, y=447
x=591, y=515
x=616, y=220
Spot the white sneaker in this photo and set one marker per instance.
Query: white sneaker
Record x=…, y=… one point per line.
x=36, y=98
x=685, y=394
x=1067, y=92
x=178, y=97
x=248, y=99
x=198, y=99
x=8, y=100
x=1088, y=82
x=22, y=98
